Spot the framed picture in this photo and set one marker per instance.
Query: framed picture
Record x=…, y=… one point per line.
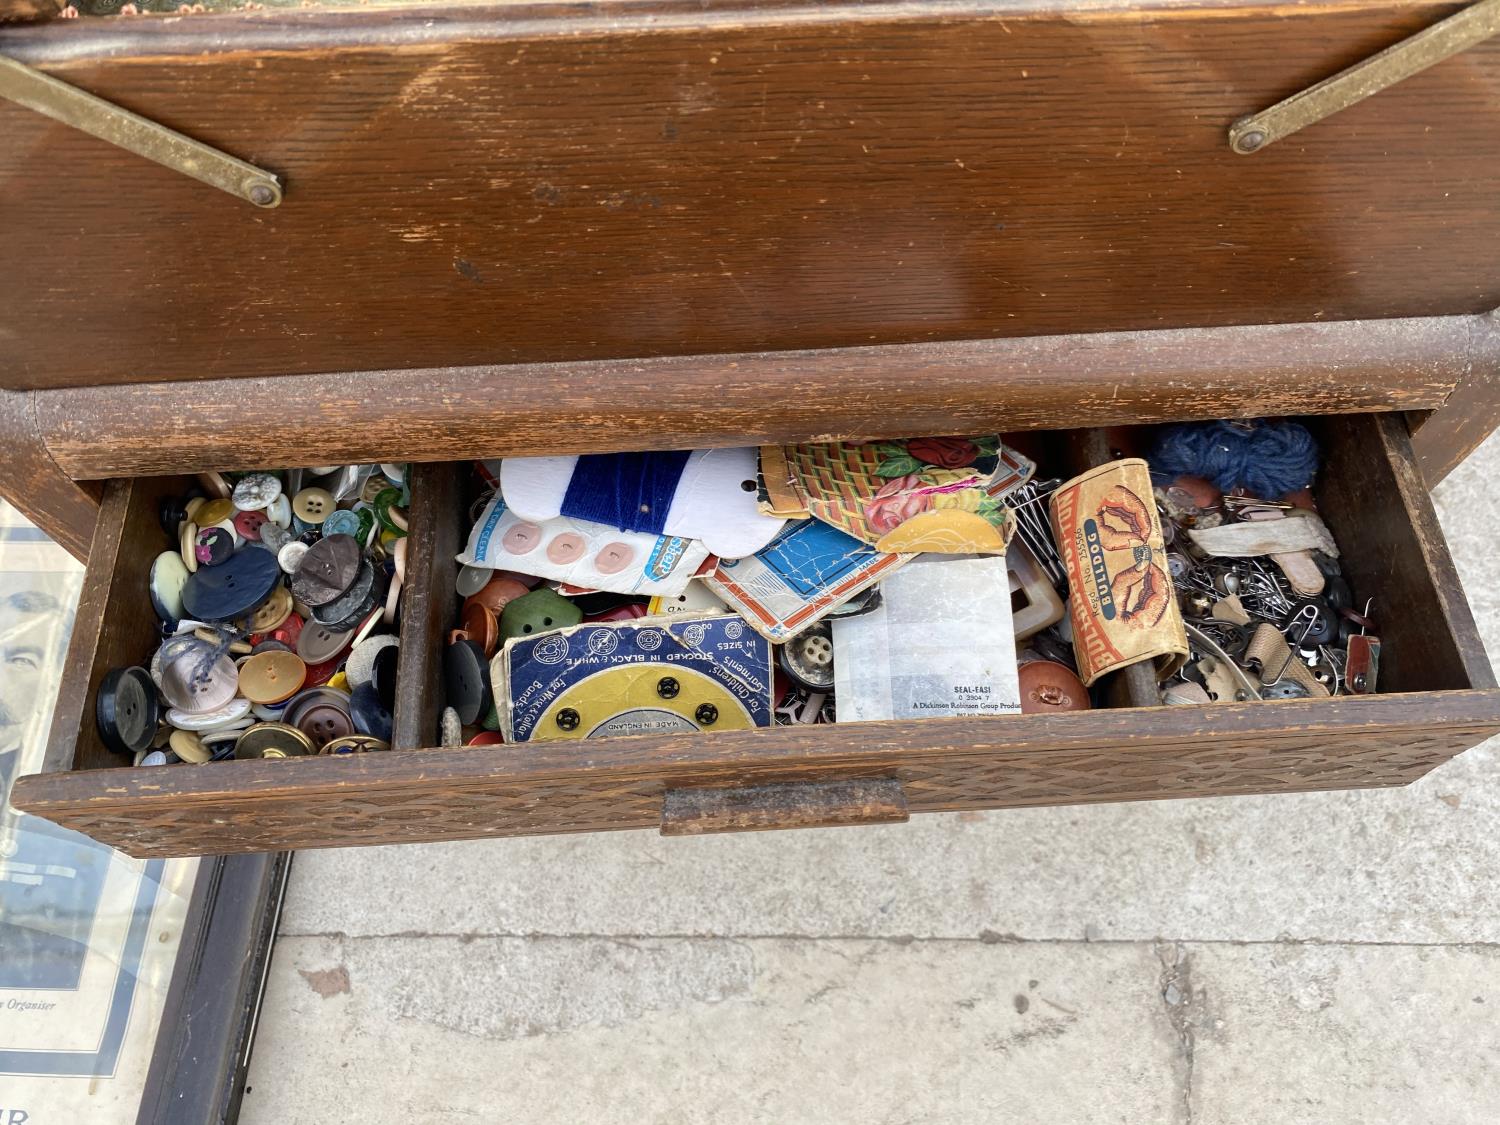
x=106, y=958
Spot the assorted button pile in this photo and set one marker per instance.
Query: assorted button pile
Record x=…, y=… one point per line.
x=278, y=603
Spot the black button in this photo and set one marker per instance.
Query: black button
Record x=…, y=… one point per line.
x=384, y=675
x=349, y=610
x=126, y=710
x=467, y=677
x=214, y=545
x=707, y=714
x=172, y=512
x=567, y=719
x=1310, y=623
x=667, y=687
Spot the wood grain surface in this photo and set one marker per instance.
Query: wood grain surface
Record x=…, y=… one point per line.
x=699, y=401
x=115, y=625
x=1449, y=434
x=1392, y=549
x=32, y=481
x=429, y=602
x=201, y=1055
x=762, y=808
x=532, y=183
x=942, y=764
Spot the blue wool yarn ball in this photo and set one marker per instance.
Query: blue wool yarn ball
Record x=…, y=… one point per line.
x=1268, y=460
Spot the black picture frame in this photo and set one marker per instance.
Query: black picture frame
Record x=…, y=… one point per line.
x=202, y=1050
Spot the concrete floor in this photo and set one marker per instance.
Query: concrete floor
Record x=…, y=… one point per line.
x=1328, y=959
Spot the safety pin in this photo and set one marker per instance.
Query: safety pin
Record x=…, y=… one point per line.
x=1309, y=611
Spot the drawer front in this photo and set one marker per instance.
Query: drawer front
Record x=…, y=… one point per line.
x=1444, y=701
x=941, y=765
x=559, y=182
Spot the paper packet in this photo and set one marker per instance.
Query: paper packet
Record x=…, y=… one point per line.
x=1122, y=602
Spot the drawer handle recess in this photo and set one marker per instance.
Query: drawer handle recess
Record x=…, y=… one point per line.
x=803, y=804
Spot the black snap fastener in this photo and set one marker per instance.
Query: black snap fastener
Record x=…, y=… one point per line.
x=707, y=714
x=667, y=687
x=567, y=719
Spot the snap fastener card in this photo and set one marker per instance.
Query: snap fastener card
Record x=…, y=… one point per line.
x=659, y=676
x=940, y=643
x=806, y=572
x=583, y=554
x=1122, y=603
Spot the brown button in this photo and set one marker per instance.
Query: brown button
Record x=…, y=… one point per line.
x=271, y=615
x=497, y=592
x=323, y=722
x=214, y=484
x=481, y=626
x=318, y=643
x=273, y=740
x=1049, y=686
x=271, y=677
x=215, y=511
x=327, y=570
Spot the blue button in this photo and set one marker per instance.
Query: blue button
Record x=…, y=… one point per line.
x=341, y=523
x=237, y=586
x=369, y=712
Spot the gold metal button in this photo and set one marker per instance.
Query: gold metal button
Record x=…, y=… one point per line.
x=272, y=740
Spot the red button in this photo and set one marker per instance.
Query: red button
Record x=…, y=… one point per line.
x=248, y=524
x=287, y=633
x=320, y=674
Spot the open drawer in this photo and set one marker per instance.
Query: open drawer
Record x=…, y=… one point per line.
x=1438, y=698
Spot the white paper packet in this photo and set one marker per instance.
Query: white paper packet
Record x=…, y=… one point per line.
x=940, y=643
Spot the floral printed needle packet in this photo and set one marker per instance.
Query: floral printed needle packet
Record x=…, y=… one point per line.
x=937, y=494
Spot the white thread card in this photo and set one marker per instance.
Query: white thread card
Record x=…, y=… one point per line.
x=941, y=643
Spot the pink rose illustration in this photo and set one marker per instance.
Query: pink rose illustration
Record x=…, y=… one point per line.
x=889, y=508
x=944, y=452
